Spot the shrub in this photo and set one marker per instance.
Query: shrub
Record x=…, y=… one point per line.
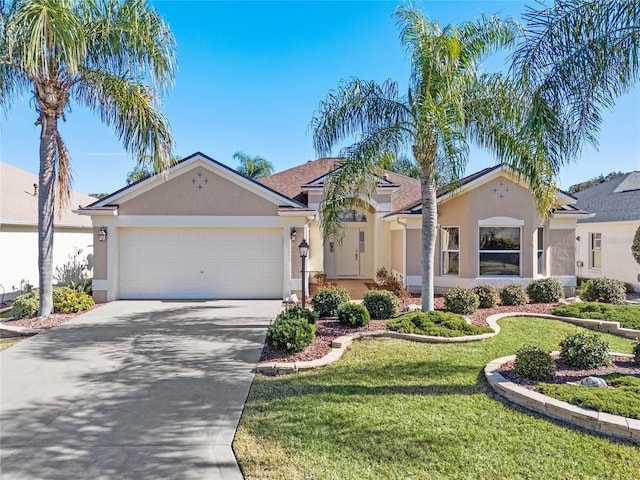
x=545, y=290
x=327, y=300
x=635, y=246
x=607, y=290
x=534, y=363
x=627, y=315
x=380, y=303
x=461, y=300
x=291, y=335
x=513, y=294
x=297, y=311
x=585, y=350
x=636, y=353
x=386, y=281
x=25, y=305
x=487, y=295
x=68, y=300
x=353, y=314
x=435, y=323
x=629, y=288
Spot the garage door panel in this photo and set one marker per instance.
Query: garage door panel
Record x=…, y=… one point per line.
x=200, y=263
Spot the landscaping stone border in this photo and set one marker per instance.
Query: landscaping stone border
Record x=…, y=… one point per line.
x=11, y=331
x=601, y=422
x=340, y=344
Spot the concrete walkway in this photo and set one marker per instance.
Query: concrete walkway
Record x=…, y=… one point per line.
x=131, y=390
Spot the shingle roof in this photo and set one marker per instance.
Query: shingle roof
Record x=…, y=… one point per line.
x=617, y=200
x=19, y=205
x=289, y=182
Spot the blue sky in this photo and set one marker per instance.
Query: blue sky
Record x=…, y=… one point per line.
x=251, y=74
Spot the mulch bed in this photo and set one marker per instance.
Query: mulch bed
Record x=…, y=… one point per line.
x=328, y=329
x=565, y=373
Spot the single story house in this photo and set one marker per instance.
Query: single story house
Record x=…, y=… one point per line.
x=603, y=242
x=202, y=230
x=19, y=231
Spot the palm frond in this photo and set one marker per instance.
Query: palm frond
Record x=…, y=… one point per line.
x=64, y=174
x=129, y=36
x=354, y=107
x=128, y=105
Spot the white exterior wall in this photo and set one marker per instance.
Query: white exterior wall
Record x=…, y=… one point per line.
x=617, y=260
x=19, y=252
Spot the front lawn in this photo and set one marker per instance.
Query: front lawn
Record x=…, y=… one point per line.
x=627, y=315
x=395, y=409
x=9, y=342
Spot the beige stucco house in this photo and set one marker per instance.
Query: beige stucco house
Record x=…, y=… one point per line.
x=202, y=230
x=19, y=230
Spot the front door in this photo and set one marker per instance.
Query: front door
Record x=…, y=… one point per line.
x=348, y=259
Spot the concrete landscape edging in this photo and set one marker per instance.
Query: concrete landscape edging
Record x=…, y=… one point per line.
x=12, y=331
x=340, y=344
x=601, y=422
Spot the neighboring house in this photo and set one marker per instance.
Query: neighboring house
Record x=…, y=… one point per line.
x=603, y=242
x=202, y=230
x=19, y=230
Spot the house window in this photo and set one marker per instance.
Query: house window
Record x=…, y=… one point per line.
x=450, y=246
x=499, y=251
x=542, y=264
x=595, y=250
x=352, y=216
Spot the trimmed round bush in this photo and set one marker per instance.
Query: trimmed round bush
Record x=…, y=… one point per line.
x=296, y=311
x=606, y=290
x=545, y=290
x=291, y=335
x=327, y=300
x=461, y=301
x=353, y=315
x=636, y=353
x=534, y=363
x=488, y=295
x=513, y=294
x=380, y=303
x=25, y=305
x=585, y=350
x=68, y=300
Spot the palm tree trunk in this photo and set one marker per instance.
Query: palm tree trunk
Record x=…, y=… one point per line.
x=429, y=231
x=46, y=201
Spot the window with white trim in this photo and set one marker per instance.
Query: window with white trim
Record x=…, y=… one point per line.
x=542, y=264
x=450, y=247
x=595, y=250
x=499, y=251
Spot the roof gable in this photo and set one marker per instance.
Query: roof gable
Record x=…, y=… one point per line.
x=198, y=165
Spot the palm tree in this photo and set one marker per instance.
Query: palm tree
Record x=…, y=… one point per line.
x=147, y=168
x=253, y=167
x=97, y=53
x=449, y=104
x=400, y=164
x=579, y=56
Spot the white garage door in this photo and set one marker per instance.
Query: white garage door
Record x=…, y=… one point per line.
x=200, y=263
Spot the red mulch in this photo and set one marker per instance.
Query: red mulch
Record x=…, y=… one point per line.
x=329, y=329
x=565, y=373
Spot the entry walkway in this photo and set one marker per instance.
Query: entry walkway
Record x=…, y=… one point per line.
x=131, y=390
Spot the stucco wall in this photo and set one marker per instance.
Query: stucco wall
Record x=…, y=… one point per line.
x=617, y=260
x=198, y=192
x=397, y=251
x=19, y=252
x=414, y=252
x=100, y=255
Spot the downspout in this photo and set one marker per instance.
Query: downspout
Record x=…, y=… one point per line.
x=404, y=251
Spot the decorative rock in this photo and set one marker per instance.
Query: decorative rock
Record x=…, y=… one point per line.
x=293, y=298
x=594, y=382
x=412, y=307
x=569, y=300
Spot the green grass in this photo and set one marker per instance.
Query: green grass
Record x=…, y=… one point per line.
x=394, y=409
x=623, y=400
x=6, y=314
x=627, y=315
x=9, y=342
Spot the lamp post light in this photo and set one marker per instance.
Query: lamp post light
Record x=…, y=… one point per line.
x=304, y=251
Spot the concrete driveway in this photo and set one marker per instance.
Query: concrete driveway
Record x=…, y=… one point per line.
x=131, y=390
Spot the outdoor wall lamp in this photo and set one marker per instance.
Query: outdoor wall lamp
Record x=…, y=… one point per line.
x=293, y=234
x=102, y=234
x=304, y=252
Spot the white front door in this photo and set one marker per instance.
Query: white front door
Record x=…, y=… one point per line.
x=348, y=259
